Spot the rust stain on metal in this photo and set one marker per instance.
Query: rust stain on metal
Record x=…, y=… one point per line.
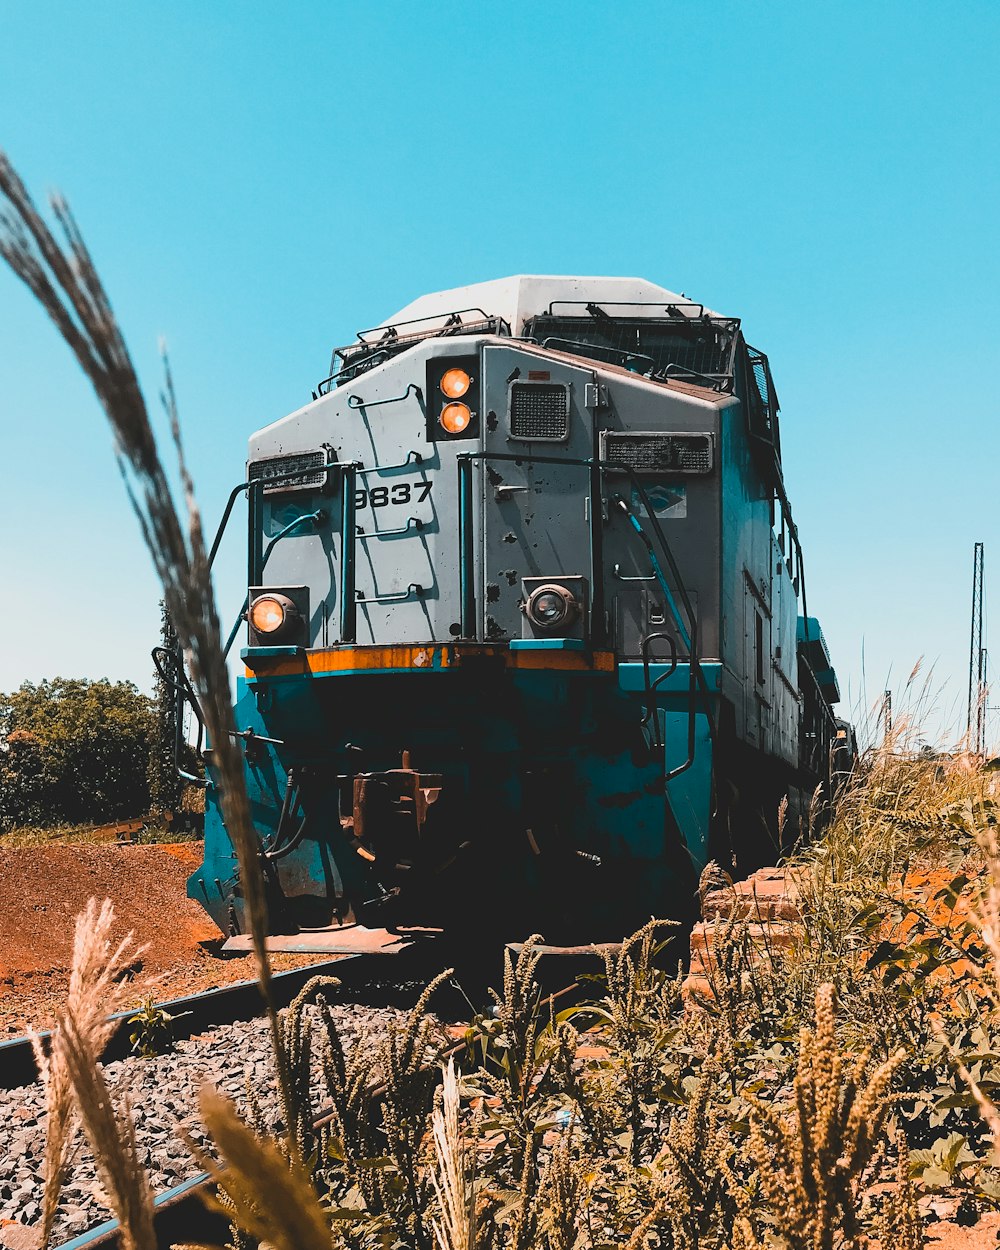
x=510, y=538
x=492, y=592
x=511, y=576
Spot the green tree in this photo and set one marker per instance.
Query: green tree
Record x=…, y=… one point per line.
x=164, y=782
x=74, y=750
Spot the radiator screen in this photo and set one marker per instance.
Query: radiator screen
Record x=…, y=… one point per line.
x=539, y=410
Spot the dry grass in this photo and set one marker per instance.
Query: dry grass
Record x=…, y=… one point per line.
x=453, y=1176
x=811, y=1160
x=75, y=1090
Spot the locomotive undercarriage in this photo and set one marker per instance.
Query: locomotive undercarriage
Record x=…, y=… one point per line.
x=539, y=799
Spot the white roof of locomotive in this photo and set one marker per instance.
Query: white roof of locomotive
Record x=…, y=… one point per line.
x=523, y=296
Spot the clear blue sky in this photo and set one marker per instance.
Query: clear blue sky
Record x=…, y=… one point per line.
x=257, y=181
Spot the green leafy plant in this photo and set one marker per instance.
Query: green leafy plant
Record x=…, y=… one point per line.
x=151, y=1029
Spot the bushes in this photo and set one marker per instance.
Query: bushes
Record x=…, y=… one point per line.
x=74, y=751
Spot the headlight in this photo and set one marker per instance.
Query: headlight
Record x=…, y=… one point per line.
x=552, y=608
x=272, y=614
x=455, y=418
x=455, y=383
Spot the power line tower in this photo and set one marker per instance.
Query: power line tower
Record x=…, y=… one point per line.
x=976, y=724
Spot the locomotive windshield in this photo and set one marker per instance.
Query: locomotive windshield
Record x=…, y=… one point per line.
x=686, y=343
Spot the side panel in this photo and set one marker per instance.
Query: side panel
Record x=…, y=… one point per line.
x=758, y=606
x=536, y=514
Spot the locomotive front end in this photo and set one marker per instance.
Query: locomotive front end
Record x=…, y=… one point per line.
x=487, y=674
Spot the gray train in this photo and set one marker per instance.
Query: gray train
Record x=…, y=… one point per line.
x=525, y=640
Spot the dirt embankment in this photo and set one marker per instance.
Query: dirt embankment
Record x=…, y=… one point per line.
x=43, y=888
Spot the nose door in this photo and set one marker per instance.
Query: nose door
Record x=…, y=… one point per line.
x=536, y=513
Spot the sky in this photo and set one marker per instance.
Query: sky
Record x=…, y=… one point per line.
x=259, y=181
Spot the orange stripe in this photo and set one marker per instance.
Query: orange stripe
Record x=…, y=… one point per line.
x=432, y=656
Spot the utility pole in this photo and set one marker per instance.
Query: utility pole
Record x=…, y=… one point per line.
x=975, y=728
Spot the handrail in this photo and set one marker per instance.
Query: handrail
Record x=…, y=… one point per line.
x=673, y=309
x=372, y=361
x=447, y=317
x=412, y=523
x=694, y=673
x=414, y=590
x=355, y=401
x=649, y=687
x=412, y=457
x=651, y=712
x=619, y=502
x=169, y=665
x=238, y=489
x=466, y=549
x=316, y=518
x=367, y=352
x=721, y=382
x=622, y=577
x=590, y=348
x=348, y=539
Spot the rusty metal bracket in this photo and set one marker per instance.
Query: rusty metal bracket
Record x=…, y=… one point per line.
x=390, y=812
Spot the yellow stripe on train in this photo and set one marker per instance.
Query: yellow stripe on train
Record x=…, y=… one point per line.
x=430, y=657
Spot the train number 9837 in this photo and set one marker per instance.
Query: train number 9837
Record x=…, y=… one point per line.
x=399, y=492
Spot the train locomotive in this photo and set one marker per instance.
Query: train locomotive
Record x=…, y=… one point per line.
x=525, y=641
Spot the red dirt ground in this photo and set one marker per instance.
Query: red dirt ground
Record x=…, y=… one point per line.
x=42, y=888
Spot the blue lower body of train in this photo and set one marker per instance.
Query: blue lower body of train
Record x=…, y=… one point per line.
x=572, y=800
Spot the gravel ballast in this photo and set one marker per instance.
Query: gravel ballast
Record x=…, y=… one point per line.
x=163, y=1093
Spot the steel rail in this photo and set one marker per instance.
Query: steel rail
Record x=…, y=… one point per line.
x=226, y=1004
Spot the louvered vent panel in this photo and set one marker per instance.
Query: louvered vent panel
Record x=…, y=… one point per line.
x=539, y=411
x=655, y=453
x=286, y=473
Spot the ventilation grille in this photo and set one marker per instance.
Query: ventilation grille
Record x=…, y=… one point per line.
x=655, y=453
x=539, y=411
x=287, y=473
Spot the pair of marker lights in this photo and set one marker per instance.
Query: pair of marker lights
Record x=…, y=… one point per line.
x=455, y=417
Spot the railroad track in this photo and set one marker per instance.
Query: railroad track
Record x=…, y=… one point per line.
x=221, y=1037
x=371, y=987
x=230, y=1003
x=181, y=1214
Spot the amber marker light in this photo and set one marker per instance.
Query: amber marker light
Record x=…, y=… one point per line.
x=455, y=383
x=267, y=614
x=455, y=418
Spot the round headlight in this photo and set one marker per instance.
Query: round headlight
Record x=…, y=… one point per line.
x=551, y=608
x=269, y=614
x=455, y=383
x=455, y=418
